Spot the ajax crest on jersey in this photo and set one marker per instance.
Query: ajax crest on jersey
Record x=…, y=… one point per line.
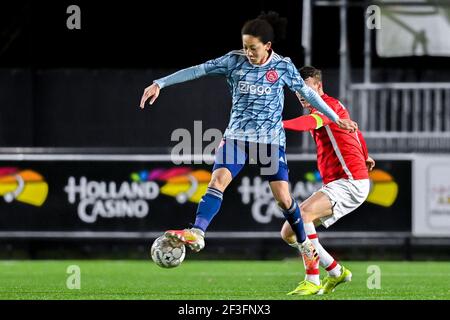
x=272, y=75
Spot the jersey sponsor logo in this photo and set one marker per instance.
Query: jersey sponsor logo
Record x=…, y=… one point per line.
x=272, y=76
x=248, y=88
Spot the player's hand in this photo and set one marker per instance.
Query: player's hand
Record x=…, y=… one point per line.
x=151, y=92
x=347, y=124
x=370, y=163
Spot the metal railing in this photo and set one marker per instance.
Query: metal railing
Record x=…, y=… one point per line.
x=402, y=116
x=395, y=117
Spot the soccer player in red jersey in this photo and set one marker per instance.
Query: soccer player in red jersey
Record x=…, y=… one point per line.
x=343, y=162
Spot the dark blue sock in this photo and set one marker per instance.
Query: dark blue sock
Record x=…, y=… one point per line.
x=208, y=208
x=294, y=217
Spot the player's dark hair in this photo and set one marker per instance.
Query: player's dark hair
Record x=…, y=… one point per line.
x=310, y=72
x=267, y=27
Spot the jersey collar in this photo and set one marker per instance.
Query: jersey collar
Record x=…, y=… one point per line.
x=265, y=63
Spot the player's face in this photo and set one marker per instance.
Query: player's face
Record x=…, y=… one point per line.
x=256, y=51
x=305, y=104
x=313, y=84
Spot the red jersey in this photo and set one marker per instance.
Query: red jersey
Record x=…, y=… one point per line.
x=340, y=154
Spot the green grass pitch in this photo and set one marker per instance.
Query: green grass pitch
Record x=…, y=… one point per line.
x=217, y=280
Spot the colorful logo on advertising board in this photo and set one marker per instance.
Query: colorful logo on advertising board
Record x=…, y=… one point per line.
x=25, y=186
x=313, y=176
x=256, y=192
x=182, y=183
x=96, y=199
x=383, y=188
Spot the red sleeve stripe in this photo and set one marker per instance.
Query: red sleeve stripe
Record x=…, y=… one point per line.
x=312, y=236
x=331, y=266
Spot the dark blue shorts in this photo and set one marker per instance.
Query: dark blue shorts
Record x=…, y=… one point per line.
x=271, y=158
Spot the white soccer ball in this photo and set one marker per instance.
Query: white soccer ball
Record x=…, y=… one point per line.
x=166, y=254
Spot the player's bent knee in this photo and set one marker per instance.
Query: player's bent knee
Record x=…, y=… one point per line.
x=284, y=203
x=216, y=184
x=307, y=217
x=306, y=212
x=219, y=183
x=303, y=206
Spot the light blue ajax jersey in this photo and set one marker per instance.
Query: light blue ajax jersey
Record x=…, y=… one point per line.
x=257, y=94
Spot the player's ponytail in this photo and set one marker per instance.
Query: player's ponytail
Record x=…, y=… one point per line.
x=267, y=27
x=278, y=24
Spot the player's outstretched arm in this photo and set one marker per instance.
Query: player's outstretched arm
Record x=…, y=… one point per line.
x=183, y=75
x=315, y=121
x=306, y=122
x=217, y=66
x=297, y=84
x=317, y=102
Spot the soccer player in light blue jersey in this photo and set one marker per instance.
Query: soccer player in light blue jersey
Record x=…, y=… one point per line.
x=256, y=76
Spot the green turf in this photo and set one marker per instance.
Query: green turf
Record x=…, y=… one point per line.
x=235, y=280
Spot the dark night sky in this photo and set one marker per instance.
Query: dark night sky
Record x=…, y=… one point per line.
x=166, y=34
x=138, y=34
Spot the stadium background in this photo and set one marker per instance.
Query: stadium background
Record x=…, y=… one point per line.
x=69, y=108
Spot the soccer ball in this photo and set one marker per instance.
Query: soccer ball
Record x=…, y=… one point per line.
x=166, y=254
